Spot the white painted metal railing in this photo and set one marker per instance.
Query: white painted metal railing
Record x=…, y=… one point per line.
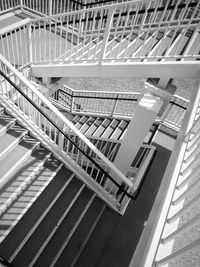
x=171, y=236
x=6, y=5
x=97, y=102
x=61, y=136
x=116, y=104
x=126, y=32
x=174, y=113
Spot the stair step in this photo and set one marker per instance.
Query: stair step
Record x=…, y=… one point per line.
x=160, y=48
x=147, y=46
x=102, y=127
x=66, y=226
x=178, y=45
x=22, y=228
x=193, y=45
x=28, y=193
x=108, y=132
x=92, y=252
x=48, y=223
x=14, y=158
x=119, y=130
x=5, y=122
x=80, y=123
x=74, y=245
x=10, y=138
x=87, y=124
x=76, y=119
x=94, y=126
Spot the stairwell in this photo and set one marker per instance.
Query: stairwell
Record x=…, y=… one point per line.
x=48, y=217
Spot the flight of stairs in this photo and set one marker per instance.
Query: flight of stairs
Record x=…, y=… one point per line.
x=165, y=45
x=48, y=217
x=104, y=128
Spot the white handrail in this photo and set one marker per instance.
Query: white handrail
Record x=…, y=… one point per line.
x=91, y=25
x=69, y=124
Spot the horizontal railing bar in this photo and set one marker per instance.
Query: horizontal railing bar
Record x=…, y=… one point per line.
x=178, y=105
x=14, y=27
x=101, y=92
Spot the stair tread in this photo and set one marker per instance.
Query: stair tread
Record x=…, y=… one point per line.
x=87, y=124
x=81, y=122
x=93, y=250
x=10, y=136
x=16, y=154
x=28, y=193
x=94, y=126
x=64, y=230
x=76, y=119
x=26, y=168
x=21, y=229
x=119, y=130
x=71, y=250
x=43, y=230
x=108, y=132
x=102, y=128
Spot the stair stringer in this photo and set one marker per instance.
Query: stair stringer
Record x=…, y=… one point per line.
x=67, y=161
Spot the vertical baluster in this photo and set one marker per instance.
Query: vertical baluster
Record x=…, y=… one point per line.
x=29, y=43
x=49, y=38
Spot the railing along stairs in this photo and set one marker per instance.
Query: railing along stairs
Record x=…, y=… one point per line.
x=129, y=32
x=115, y=104
x=59, y=134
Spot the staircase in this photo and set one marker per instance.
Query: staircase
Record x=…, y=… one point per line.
x=111, y=34
x=47, y=216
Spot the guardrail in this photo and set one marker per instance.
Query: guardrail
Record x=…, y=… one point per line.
x=62, y=137
x=115, y=104
x=126, y=32
x=102, y=103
